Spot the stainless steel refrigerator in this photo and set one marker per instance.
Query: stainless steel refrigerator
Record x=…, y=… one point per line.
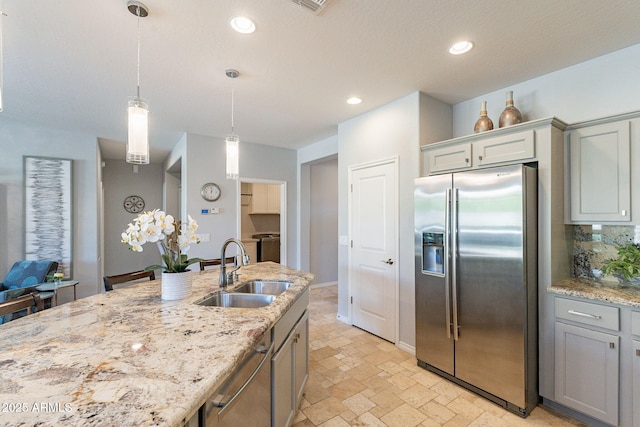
x=476, y=281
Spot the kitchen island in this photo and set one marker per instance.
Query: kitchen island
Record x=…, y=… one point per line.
x=129, y=358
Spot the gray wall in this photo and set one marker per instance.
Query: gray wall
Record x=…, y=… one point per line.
x=203, y=160
x=18, y=139
x=120, y=181
x=323, y=221
x=396, y=129
x=601, y=87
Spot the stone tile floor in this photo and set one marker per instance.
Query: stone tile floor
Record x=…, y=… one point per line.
x=358, y=379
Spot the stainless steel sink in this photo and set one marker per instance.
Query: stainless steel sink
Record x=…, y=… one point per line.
x=223, y=299
x=268, y=287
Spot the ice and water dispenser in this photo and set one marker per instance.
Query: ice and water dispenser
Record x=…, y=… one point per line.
x=433, y=253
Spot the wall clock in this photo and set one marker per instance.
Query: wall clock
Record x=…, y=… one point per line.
x=210, y=192
x=133, y=204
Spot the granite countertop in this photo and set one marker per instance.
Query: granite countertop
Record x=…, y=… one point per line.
x=598, y=291
x=126, y=357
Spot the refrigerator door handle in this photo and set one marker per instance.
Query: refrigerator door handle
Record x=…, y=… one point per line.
x=447, y=257
x=454, y=261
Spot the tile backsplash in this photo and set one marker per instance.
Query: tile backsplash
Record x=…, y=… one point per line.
x=594, y=244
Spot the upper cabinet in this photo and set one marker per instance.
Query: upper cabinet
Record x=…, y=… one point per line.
x=265, y=199
x=513, y=144
x=600, y=176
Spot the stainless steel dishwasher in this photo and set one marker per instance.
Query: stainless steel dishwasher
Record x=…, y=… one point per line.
x=244, y=399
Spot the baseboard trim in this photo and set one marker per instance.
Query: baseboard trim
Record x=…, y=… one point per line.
x=343, y=319
x=323, y=285
x=406, y=347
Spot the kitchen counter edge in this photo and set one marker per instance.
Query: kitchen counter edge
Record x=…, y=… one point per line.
x=597, y=291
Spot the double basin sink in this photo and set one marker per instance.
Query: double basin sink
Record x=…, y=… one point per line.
x=252, y=294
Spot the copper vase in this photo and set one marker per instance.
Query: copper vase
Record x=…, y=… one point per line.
x=511, y=115
x=484, y=123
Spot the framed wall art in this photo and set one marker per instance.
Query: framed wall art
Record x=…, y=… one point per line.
x=48, y=198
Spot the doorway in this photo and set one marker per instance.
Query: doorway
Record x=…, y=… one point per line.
x=262, y=219
x=373, y=260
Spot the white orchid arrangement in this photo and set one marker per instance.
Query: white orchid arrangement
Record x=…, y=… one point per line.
x=174, y=237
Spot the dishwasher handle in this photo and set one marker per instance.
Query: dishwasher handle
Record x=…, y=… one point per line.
x=223, y=401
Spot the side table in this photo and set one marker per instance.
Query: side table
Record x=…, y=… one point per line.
x=53, y=287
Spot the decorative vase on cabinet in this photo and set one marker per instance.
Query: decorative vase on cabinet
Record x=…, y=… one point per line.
x=484, y=123
x=510, y=115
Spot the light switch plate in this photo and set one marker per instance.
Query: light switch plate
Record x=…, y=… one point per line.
x=343, y=240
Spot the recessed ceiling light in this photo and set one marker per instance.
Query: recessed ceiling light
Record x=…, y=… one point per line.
x=242, y=24
x=354, y=101
x=461, y=47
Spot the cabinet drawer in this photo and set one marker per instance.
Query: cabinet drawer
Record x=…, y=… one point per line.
x=635, y=323
x=602, y=316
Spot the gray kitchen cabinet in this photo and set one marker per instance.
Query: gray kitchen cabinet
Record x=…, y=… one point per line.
x=515, y=144
x=587, y=371
x=514, y=147
x=636, y=383
x=448, y=157
x=290, y=362
x=587, y=361
x=635, y=332
x=301, y=358
x=290, y=367
x=600, y=172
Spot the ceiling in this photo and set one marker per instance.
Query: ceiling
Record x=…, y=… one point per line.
x=71, y=64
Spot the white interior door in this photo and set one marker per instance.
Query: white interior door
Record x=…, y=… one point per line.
x=373, y=264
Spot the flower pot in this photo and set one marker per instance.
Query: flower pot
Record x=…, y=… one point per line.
x=176, y=286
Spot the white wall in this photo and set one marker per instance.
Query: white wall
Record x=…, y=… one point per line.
x=396, y=129
x=323, y=221
x=119, y=181
x=601, y=87
x=18, y=139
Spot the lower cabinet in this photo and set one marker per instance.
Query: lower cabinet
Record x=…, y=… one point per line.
x=636, y=383
x=290, y=370
x=587, y=371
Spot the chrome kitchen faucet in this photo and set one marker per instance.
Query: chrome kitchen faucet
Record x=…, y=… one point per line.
x=228, y=278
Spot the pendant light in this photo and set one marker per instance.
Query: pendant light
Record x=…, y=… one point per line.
x=233, y=153
x=138, y=110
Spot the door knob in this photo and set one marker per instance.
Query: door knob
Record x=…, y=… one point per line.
x=389, y=261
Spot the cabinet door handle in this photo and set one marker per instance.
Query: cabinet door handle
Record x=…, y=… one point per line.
x=612, y=345
x=479, y=157
x=590, y=316
x=466, y=160
x=637, y=352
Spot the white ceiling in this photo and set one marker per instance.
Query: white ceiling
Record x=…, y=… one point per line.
x=72, y=63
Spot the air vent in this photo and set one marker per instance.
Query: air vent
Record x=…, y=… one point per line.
x=314, y=6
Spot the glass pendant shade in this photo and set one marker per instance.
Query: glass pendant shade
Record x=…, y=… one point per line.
x=138, y=139
x=233, y=156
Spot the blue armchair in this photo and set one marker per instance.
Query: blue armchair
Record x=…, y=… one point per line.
x=23, y=278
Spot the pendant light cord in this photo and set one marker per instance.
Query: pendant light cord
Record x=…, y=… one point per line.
x=232, y=133
x=138, y=73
